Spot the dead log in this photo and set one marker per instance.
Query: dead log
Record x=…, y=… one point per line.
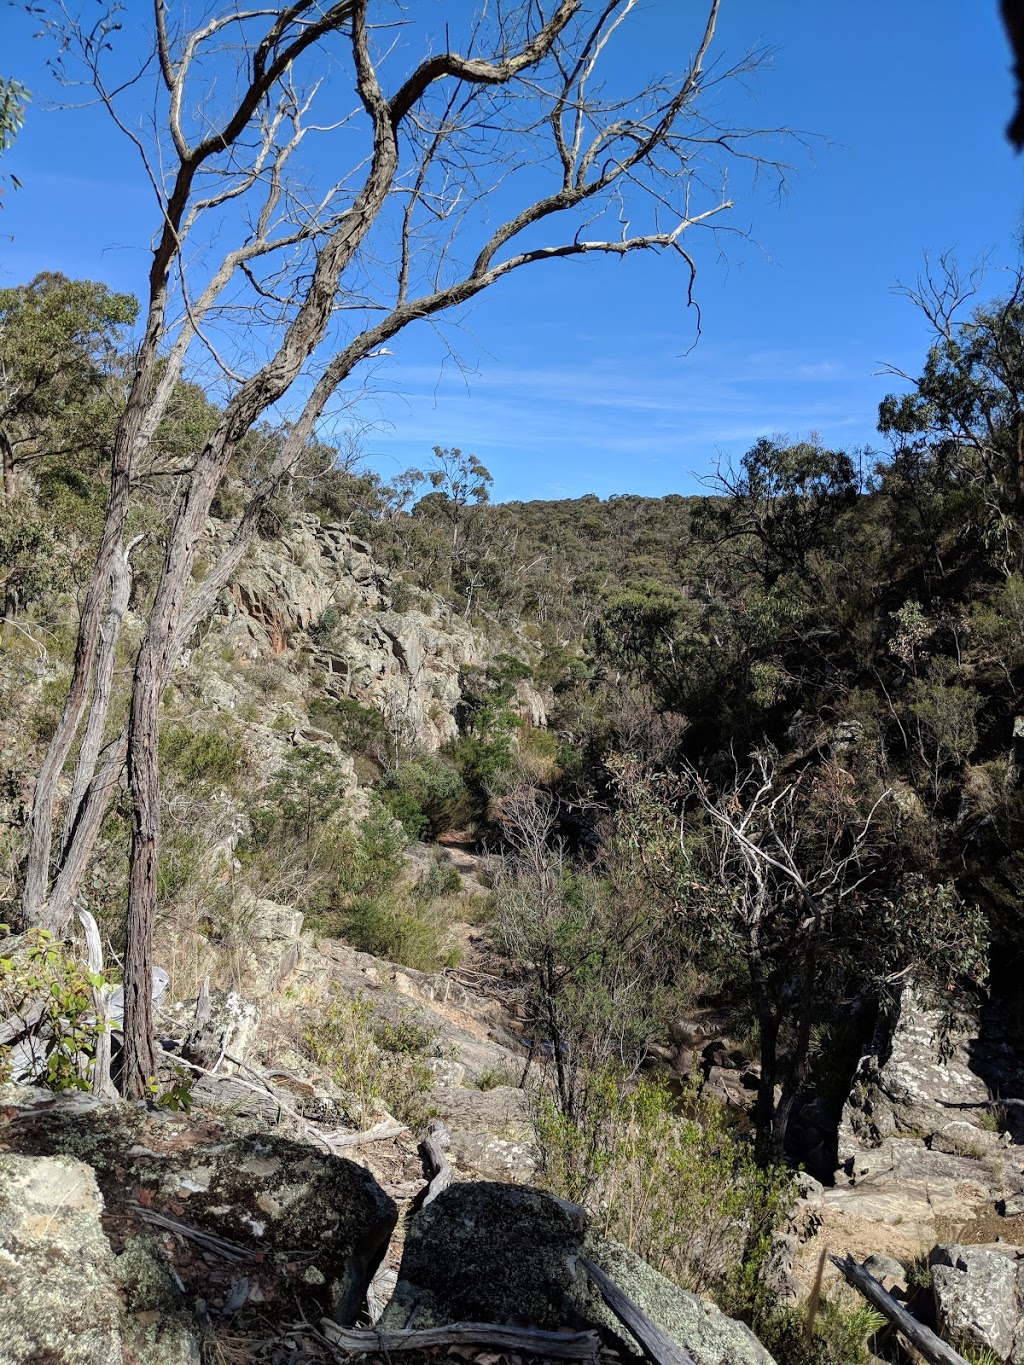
x=922, y=1338
x=439, y=1168
x=657, y=1346
x=528, y=1340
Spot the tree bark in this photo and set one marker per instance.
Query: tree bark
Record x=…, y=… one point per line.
x=7, y=457
x=139, y=1063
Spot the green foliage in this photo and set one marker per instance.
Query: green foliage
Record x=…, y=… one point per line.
x=41, y=972
x=401, y=928
x=425, y=794
x=840, y=1335
x=663, y=1174
x=378, y=1060
x=206, y=758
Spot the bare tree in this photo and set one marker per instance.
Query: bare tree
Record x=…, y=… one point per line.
x=781, y=877
x=589, y=952
x=463, y=169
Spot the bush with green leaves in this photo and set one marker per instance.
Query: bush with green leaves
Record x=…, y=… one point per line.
x=379, y=1059
x=837, y=1335
x=663, y=1173
x=204, y=757
x=39, y=973
x=427, y=794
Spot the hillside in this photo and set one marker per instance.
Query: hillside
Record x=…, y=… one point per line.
x=658, y=847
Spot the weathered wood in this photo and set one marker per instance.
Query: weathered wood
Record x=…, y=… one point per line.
x=219, y=1246
x=102, y=1085
x=922, y=1338
x=658, y=1347
x=529, y=1340
x=334, y=1141
x=439, y=1168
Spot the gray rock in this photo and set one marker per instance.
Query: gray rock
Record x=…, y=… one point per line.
x=904, y=1086
x=489, y=1253
x=500, y=1253
x=699, y=1327
x=61, y=1291
x=887, y=1270
x=278, y=1195
x=224, y=1038
x=979, y=1298
x=960, y=1138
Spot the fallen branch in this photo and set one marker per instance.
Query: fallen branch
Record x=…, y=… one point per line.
x=932, y=1347
x=658, y=1347
x=439, y=1168
x=980, y=1104
x=340, y=1139
x=387, y=1128
x=529, y=1340
x=219, y=1246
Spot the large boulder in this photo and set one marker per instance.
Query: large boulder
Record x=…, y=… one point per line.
x=64, y=1298
x=979, y=1298
x=484, y=1252
x=503, y=1253
x=912, y=1078
x=699, y=1327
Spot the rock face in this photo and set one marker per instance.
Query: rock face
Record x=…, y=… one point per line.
x=405, y=663
x=979, y=1298
x=60, y=1287
x=905, y=1088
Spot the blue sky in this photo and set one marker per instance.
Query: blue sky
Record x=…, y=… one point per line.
x=579, y=378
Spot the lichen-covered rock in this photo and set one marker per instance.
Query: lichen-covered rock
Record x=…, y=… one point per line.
x=979, y=1298
x=485, y=1252
x=282, y=1196
x=491, y=1132
x=906, y=1085
x=61, y=1298
x=698, y=1327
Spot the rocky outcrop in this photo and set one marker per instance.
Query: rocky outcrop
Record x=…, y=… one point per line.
x=910, y=1083
x=918, y=1146
x=317, y=589
x=127, y=1235
x=502, y=1253
x=979, y=1298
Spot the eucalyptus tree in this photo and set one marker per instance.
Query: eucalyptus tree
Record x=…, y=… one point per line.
x=364, y=175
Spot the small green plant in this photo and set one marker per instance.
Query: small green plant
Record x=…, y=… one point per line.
x=378, y=1059
x=41, y=973
x=494, y=1077
x=177, y=1095
x=838, y=1335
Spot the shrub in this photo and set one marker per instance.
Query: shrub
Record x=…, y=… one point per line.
x=402, y=929
x=209, y=758
x=838, y=1336
x=379, y=1060
x=664, y=1175
x=40, y=971
x=356, y=727
x=425, y=792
